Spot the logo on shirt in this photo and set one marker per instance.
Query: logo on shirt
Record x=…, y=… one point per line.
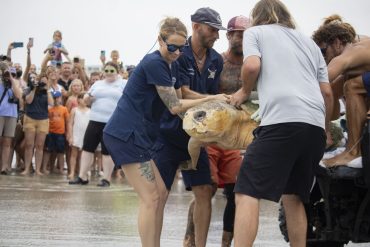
x=212, y=74
x=173, y=79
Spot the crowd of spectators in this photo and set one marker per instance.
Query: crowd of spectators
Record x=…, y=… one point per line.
x=43, y=110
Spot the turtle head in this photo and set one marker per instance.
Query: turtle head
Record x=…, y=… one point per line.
x=207, y=120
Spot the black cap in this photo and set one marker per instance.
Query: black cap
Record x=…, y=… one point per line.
x=208, y=16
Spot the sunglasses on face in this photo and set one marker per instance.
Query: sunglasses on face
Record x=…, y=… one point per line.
x=112, y=71
x=323, y=51
x=172, y=48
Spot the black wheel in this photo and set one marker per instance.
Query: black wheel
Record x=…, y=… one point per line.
x=310, y=242
x=325, y=244
x=282, y=223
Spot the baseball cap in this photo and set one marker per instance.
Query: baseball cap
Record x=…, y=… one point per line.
x=208, y=16
x=56, y=94
x=238, y=23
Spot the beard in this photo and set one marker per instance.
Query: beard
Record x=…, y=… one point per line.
x=205, y=41
x=236, y=50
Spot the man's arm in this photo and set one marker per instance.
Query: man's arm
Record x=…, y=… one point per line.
x=250, y=71
x=354, y=60
x=327, y=94
x=187, y=93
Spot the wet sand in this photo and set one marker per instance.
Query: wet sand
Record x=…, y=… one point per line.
x=46, y=211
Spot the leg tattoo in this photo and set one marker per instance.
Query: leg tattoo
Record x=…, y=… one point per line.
x=147, y=171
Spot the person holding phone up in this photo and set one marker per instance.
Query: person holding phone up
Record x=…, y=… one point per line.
x=10, y=91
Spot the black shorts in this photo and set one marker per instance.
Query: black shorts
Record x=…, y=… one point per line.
x=55, y=143
x=281, y=160
x=94, y=136
x=168, y=158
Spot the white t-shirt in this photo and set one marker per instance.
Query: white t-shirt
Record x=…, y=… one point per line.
x=106, y=95
x=291, y=68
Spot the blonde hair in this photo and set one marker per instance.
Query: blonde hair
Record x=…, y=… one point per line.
x=57, y=32
x=170, y=26
x=272, y=12
x=72, y=83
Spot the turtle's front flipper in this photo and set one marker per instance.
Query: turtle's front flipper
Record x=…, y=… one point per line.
x=194, y=146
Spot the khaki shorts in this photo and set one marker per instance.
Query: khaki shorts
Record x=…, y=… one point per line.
x=30, y=124
x=7, y=126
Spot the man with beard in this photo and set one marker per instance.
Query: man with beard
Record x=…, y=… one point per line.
x=200, y=69
x=65, y=75
x=225, y=164
x=348, y=58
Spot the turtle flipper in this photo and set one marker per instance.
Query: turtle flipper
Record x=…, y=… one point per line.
x=194, y=146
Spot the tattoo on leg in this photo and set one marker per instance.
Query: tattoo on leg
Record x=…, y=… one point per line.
x=147, y=171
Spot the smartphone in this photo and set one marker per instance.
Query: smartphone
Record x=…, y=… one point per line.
x=17, y=44
x=102, y=53
x=76, y=60
x=30, y=42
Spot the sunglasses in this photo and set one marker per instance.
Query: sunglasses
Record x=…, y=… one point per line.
x=110, y=71
x=172, y=48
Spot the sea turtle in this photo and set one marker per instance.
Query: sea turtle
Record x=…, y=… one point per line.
x=218, y=123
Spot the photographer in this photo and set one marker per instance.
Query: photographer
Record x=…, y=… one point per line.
x=36, y=121
x=10, y=92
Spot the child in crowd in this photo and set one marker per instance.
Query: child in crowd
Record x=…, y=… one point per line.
x=77, y=126
x=56, y=49
x=75, y=89
x=58, y=129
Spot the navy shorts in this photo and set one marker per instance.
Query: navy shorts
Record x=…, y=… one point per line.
x=168, y=158
x=93, y=136
x=125, y=152
x=366, y=81
x=281, y=160
x=55, y=143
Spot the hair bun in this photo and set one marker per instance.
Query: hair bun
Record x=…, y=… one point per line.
x=333, y=19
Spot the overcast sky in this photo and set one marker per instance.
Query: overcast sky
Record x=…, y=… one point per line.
x=132, y=26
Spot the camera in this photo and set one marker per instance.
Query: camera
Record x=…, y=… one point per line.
x=12, y=100
x=41, y=84
x=3, y=58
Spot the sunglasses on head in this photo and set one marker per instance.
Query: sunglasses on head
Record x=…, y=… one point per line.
x=110, y=71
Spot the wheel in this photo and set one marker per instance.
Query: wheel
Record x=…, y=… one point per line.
x=282, y=223
x=325, y=244
x=310, y=242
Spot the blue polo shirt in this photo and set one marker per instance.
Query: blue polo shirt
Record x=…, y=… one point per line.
x=140, y=108
x=205, y=82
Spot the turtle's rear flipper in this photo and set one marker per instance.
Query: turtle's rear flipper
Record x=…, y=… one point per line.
x=194, y=146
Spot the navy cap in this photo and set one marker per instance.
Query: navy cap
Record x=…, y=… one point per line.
x=209, y=17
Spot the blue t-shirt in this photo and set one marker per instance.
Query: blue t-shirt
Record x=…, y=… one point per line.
x=7, y=109
x=205, y=82
x=38, y=109
x=140, y=108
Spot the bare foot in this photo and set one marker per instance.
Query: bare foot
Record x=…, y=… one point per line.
x=38, y=173
x=71, y=176
x=25, y=172
x=46, y=172
x=341, y=159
